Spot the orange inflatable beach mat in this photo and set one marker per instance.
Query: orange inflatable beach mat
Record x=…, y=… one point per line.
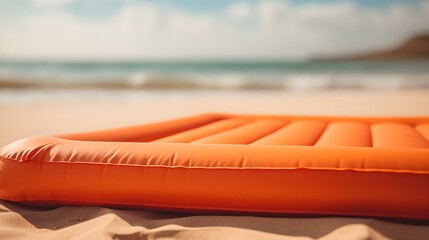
x=231, y=163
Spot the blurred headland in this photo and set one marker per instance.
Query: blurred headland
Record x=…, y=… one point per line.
x=412, y=49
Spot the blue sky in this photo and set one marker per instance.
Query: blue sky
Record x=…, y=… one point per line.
x=182, y=29
x=106, y=7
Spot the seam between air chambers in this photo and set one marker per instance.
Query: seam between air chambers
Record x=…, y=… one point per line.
x=222, y=131
x=321, y=133
x=421, y=134
x=188, y=129
x=269, y=133
x=371, y=137
x=226, y=130
x=375, y=170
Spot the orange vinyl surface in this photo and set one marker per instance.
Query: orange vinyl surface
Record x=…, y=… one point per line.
x=239, y=163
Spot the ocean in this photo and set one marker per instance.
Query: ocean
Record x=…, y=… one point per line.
x=214, y=75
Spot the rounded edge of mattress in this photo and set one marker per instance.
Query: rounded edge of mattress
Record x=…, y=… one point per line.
x=222, y=156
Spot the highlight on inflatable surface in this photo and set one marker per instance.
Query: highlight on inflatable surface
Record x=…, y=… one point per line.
x=376, y=167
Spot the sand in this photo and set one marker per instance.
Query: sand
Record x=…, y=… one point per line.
x=18, y=222
x=54, y=115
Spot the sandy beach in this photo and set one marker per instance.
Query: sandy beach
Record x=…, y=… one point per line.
x=52, y=115
x=74, y=66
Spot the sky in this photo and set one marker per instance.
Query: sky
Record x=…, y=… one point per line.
x=207, y=30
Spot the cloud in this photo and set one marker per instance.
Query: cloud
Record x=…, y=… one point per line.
x=52, y=3
x=240, y=11
x=276, y=29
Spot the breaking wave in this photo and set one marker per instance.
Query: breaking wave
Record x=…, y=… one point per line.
x=220, y=82
x=215, y=76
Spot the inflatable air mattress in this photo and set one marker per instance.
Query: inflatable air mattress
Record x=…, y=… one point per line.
x=231, y=163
